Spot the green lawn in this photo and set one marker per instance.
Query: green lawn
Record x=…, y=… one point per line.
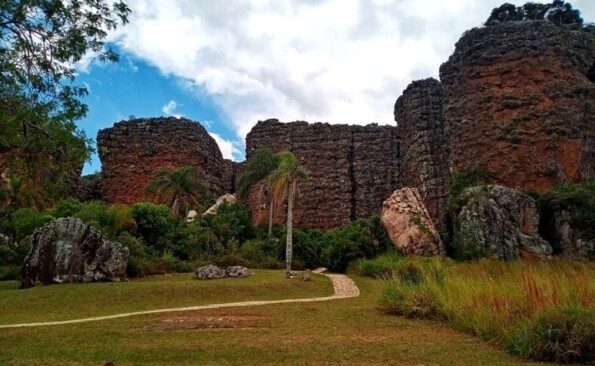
x=344, y=332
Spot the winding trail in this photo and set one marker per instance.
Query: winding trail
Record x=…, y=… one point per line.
x=344, y=288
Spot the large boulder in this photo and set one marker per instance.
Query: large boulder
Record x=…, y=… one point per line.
x=209, y=272
x=409, y=225
x=68, y=250
x=571, y=241
x=226, y=198
x=499, y=222
x=236, y=271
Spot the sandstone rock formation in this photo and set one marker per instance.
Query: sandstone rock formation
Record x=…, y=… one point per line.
x=499, y=222
x=89, y=188
x=229, y=198
x=569, y=240
x=352, y=169
x=424, y=144
x=519, y=99
x=68, y=250
x=409, y=225
x=132, y=152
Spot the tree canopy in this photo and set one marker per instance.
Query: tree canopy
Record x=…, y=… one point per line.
x=558, y=12
x=40, y=43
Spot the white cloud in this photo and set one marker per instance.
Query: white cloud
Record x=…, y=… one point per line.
x=170, y=109
x=228, y=148
x=342, y=61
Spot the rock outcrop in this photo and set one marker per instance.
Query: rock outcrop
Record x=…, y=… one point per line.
x=68, y=250
x=89, y=188
x=132, y=152
x=211, y=272
x=500, y=223
x=424, y=144
x=569, y=240
x=352, y=169
x=519, y=99
x=409, y=225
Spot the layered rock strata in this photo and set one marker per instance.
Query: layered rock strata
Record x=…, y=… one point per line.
x=68, y=250
x=519, y=100
x=132, y=152
x=352, y=169
x=424, y=144
x=408, y=224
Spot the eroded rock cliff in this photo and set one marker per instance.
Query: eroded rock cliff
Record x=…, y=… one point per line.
x=131, y=152
x=424, y=144
x=352, y=169
x=519, y=100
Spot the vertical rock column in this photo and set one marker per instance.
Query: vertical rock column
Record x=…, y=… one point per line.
x=425, y=149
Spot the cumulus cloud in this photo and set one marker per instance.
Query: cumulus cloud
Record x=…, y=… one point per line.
x=341, y=61
x=170, y=109
x=227, y=147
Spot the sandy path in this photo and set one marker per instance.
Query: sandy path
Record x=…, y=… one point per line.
x=344, y=288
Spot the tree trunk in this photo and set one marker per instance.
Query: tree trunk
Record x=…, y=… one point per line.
x=289, y=245
x=271, y=209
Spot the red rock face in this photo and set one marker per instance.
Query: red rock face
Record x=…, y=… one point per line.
x=132, y=152
x=424, y=144
x=352, y=170
x=518, y=99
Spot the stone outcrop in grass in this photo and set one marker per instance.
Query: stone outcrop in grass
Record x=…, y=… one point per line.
x=211, y=272
x=68, y=250
x=499, y=222
x=409, y=225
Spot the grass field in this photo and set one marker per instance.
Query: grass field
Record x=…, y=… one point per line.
x=342, y=332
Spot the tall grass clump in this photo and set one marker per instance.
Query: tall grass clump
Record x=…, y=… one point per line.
x=541, y=310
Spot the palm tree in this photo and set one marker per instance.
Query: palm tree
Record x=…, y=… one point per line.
x=259, y=166
x=177, y=188
x=285, y=181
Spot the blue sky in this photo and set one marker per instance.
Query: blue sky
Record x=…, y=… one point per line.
x=132, y=87
x=230, y=64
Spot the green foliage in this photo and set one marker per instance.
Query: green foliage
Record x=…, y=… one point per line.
x=40, y=42
x=154, y=224
x=539, y=310
x=258, y=167
x=8, y=273
x=380, y=267
x=558, y=12
x=232, y=222
x=563, y=336
x=111, y=220
x=179, y=189
x=25, y=220
x=65, y=208
x=577, y=199
x=265, y=253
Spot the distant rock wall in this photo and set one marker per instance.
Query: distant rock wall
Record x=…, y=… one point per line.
x=425, y=146
x=131, y=152
x=352, y=169
x=518, y=99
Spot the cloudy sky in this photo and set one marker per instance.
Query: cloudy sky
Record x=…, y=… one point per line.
x=230, y=63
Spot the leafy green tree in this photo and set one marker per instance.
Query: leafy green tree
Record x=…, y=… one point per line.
x=40, y=42
x=558, y=12
x=177, y=188
x=285, y=181
x=259, y=166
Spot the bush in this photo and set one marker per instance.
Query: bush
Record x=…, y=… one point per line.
x=381, y=267
x=65, y=208
x=9, y=273
x=264, y=253
x=565, y=336
x=154, y=224
x=25, y=220
x=111, y=220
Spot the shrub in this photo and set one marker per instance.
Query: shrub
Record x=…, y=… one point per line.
x=154, y=224
x=380, y=267
x=565, y=336
x=65, y=208
x=111, y=220
x=230, y=260
x=25, y=220
x=264, y=253
x=9, y=273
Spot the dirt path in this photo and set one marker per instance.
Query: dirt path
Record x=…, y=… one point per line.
x=344, y=288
